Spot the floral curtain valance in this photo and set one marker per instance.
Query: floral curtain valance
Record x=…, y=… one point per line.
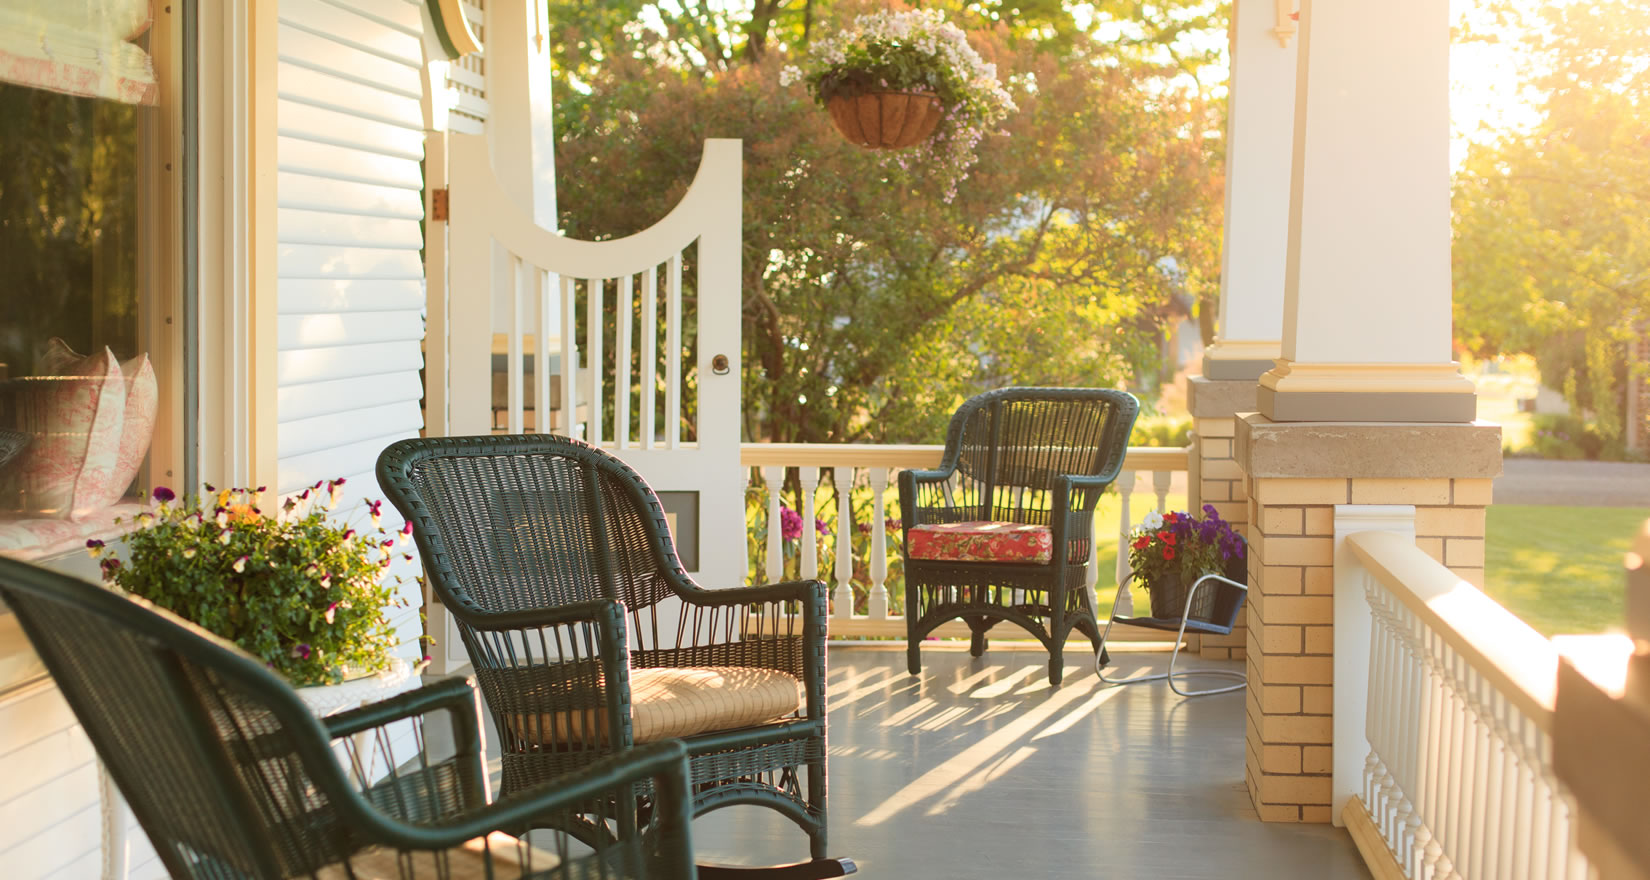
x=79, y=47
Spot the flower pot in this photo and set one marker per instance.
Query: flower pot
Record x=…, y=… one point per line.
x=1168, y=593
x=886, y=120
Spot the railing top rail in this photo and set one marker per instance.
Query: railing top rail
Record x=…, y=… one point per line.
x=1515, y=659
x=1140, y=458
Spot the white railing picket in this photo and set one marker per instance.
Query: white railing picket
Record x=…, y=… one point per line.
x=809, y=477
x=843, y=479
x=773, y=478
x=878, y=605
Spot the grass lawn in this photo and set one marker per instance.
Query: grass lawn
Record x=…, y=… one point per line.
x=1560, y=568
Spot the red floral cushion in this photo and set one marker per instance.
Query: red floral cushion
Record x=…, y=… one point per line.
x=982, y=542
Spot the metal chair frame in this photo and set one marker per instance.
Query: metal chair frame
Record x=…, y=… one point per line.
x=1180, y=639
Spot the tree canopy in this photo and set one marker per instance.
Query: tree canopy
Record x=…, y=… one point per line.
x=871, y=305
x=1552, y=224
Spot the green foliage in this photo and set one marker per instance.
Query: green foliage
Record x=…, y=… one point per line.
x=1552, y=225
x=1568, y=437
x=304, y=594
x=1168, y=430
x=872, y=306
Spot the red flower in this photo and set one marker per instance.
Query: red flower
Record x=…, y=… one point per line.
x=1141, y=542
x=1166, y=537
x=1171, y=517
x=1168, y=553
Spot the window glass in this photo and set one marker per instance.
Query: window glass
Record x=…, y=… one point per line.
x=78, y=396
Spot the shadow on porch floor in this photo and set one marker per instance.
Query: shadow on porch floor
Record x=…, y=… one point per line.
x=978, y=769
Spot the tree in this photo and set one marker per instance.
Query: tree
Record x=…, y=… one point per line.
x=871, y=305
x=1552, y=225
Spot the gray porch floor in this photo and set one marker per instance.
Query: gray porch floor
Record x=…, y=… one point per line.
x=977, y=769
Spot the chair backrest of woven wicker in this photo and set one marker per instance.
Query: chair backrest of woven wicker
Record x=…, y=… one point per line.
x=1016, y=442
x=526, y=530
x=204, y=751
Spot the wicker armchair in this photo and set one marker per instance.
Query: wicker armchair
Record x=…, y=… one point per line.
x=231, y=776
x=587, y=636
x=1003, y=529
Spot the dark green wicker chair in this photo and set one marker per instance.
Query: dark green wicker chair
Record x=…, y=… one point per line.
x=1029, y=465
x=556, y=561
x=233, y=778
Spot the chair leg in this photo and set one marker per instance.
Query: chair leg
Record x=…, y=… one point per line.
x=913, y=657
x=1056, y=662
x=977, y=641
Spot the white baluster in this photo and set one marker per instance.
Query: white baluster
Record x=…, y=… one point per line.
x=621, y=363
x=809, y=477
x=673, y=352
x=1125, y=489
x=843, y=479
x=1161, y=481
x=774, y=479
x=748, y=580
x=878, y=555
x=650, y=355
x=594, y=291
x=513, y=365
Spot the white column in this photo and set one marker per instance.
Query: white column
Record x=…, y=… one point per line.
x=1259, y=140
x=842, y=476
x=1366, y=322
x=519, y=125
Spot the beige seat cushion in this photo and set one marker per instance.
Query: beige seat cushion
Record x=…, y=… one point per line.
x=510, y=857
x=666, y=703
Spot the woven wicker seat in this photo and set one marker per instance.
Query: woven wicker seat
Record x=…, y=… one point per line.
x=556, y=561
x=231, y=776
x=1018, y=461
x=666, y=703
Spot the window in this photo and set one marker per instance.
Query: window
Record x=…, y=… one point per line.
x=86, y=294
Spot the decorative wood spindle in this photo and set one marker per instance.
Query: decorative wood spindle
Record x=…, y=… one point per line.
x=773, y=478
x=809, y=477
x=843, y=479
x=878, y=478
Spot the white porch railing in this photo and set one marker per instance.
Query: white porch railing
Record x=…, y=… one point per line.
x=1457, y=777
x=872, y=466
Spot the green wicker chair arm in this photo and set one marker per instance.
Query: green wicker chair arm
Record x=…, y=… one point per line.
x=661, y=766
x=787, y=591
x=455, y=695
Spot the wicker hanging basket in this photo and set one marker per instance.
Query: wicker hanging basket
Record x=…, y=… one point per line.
x=886, y=120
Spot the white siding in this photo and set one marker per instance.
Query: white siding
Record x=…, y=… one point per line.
x=350, y=193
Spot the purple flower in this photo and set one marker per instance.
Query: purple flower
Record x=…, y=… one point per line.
x=162, y=495
x=893, y=525
x=301, y=651
x=790, y=524
x=821, y=527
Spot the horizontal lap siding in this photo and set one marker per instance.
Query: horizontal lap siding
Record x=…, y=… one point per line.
x=351, y=294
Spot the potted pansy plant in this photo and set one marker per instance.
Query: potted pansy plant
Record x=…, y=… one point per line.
x=294, y=587
x=1168, y=552
x=897, y=79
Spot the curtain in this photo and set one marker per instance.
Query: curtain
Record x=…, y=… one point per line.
x=78, y=47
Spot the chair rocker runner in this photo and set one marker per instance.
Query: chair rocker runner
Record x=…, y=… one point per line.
x=1003, y=530
x=233, y=778
x=1217, y=617
x=588, y=637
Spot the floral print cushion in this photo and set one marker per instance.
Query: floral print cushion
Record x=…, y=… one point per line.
x=103, y=482
x=982, y=542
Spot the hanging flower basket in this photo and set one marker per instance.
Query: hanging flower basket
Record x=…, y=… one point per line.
x=886, y=120
x=899, y=79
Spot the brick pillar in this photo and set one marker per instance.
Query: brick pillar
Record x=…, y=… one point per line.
x=1215, y=475
x=1298, y=473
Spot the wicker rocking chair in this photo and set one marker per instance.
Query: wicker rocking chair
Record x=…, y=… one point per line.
x=1003, y=529
x=588, y=637
x=231, y=776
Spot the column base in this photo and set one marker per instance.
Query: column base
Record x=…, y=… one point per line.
x=1298, y=473
x=1240, y=359
x=1295, y=392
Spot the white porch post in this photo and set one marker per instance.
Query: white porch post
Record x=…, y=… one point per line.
x=1259, y=140
x=520, y=130
x=1366, y=318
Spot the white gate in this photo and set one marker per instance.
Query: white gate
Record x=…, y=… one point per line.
x=604, y=341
